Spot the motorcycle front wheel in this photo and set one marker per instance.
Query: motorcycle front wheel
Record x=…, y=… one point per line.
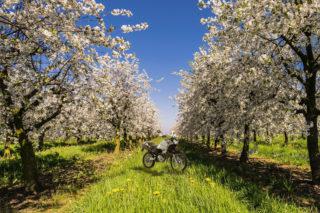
x=179, y=162
x=148, y=160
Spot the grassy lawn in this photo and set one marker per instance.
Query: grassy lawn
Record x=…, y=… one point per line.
x=89, y=178
x=295, y=153
x=66, y=169
x=55, y=156
x=128, y=187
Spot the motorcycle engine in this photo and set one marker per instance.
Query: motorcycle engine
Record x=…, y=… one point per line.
x=161, y=158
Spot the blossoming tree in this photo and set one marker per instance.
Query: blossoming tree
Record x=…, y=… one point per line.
x=45, y=54
x=282, y=40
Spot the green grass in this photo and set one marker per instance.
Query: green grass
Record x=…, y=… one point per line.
x=64, y=166
x=56, y=155
x=128, y=187
x=295, y=153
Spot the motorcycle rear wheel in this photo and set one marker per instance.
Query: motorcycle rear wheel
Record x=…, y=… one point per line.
x=148, y=160
x=179, y=162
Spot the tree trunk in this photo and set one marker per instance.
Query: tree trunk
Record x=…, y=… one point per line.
x=313, y=150
x=223, y=146
x=78, y=138
x=245, y=149
x=286, y=138
x=311, y=117
x=125, y=137
x=41, y=140
x=254, y=135
x=29, y=164
x=208, y=138
x=216, y=141
x=117, y=142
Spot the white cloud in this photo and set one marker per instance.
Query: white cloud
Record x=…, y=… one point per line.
x=160, y=79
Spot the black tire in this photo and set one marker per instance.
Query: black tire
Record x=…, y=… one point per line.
x=179, y=159
x=146, y=160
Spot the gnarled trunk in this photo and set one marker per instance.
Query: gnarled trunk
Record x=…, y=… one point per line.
x=29, y=164
x=245, y=149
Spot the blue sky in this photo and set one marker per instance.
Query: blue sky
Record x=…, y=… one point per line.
x=174, y=34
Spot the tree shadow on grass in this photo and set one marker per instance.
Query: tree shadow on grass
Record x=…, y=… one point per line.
x=257, y=178
x=49, y=145
x=148, y=171
x=57, y=174
x=165, y=170
x=99, y=147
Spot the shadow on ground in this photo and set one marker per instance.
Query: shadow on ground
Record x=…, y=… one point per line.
x=148, y=171
x=259, y=177
x=57, y=174
x=99, y=147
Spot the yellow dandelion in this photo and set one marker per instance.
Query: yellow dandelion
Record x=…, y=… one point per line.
x=129, y=180
x=208, y=179
x=156, y=193
x=115, y=190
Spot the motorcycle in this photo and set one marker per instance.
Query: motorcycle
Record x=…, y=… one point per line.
x=178, y=159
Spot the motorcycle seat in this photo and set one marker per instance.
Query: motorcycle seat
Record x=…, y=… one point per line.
x=154, y=148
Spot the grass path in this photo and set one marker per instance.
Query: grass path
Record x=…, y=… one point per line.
x=128, y=187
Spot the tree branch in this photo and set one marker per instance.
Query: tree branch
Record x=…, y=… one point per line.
x=295, y=49
x=47, y=119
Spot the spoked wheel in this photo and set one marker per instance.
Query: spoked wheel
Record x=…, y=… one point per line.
x=179, y=162
x=148, y=160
